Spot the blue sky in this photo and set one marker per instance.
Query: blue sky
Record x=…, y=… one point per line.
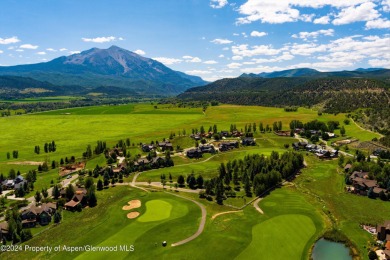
x=212, y=39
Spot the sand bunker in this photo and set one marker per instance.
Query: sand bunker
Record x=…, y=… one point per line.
x=132, y=215
x=133, y=204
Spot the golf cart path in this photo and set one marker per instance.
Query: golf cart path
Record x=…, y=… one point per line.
x=226, y=212
x=256, y=205
x=201, y=225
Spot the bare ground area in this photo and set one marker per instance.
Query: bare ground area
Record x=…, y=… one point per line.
x=133, y=204
x=26, y=163
x=133, y=214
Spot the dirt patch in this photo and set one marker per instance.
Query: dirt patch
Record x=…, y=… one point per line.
x=133, y=204
x=132, y=215
x=26, y=163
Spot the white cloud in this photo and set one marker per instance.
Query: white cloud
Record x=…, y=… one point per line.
x=74, y=52
x=221, y=41
x=29, y=46
x=307, y=49
x=140, y=52
x=244, y=51
x=378, y=24
x=100, y=39
x=221, y=56
x=380, y=63
x=41, y=53
x=11, y=47
x=258, y=34
x=307, y=35
x=237, y=58
x=218, y=3
x=225, y=48
x=19, y=50
x=236, y=34
x=189, y=58
x=386, y=5
x=198, y=72
x=234, y=65
x=168, y=61
x=1, y=51
x=282, y=11
x=260, y=69
x=10, y=40
x=363, y=12
x=322, y=20
x=51, y=49
x=284, y=57
x=63, y=49
x=210, y=62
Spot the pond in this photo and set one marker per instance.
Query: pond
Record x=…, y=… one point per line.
x=328, y=250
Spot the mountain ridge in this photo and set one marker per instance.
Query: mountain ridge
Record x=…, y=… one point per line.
x=108, y=67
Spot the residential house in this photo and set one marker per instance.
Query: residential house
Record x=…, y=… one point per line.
x=165, y=146
x=38, y=214
x=79, y=197
x=282, y=133
x=157, y=162
x=247, y=141
x=225, y=133
x=347, y=167
x=299, y=145
x=225, y=146
x=362, y=185
x=207, y=149
x=148, y=148
x=194, y=153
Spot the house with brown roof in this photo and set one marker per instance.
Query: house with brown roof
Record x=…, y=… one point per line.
x=383, y=231
x=79, y=198
x=38, y=214
x=347, y=167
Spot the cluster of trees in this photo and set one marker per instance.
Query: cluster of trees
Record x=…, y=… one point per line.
x=37, y=149
x=16, y=233
x=15, y=154
x=255, y=173
x=316, y=125
x=49, y=147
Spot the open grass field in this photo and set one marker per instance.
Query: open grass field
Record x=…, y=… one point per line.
x=295, y=215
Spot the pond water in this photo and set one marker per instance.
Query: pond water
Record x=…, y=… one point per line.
x=328, y=250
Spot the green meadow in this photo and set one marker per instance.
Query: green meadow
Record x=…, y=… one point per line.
x=295, y=215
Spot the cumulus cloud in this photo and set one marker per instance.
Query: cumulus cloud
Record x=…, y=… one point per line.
x=168, y=61
x=276, y=12
x=237, y=58
x=307, y=35
x=101, y=39
x=218, y=3
x=378, y=24
x=140, y=52
x=63, y=49
x=234, y=65
x=19, y=50
x=385, y=5
x=363, y=12
x=74, y=52
x=210, y=62
x=221, y=56
x=245, y=51
x=258, y=34
x=188, y=58
x=41, y=53
x=221, y=41
x=1, y=51
x=10, y=40
x=51, y=49
x=322, y=20
x=28, y=46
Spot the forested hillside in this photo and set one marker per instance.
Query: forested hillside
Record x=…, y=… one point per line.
x=370, y=97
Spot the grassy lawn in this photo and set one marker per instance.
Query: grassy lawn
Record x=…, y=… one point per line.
x=295, y=215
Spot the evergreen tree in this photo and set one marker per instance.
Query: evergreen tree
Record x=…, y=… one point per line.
x=57, y=217
x=37, y=197
x=99, y=184
x=55, y=192
x=181, y=181
x=92, y=200
x=199, y=182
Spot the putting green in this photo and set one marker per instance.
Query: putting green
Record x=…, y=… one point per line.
x=156, y=210
x=292, y=232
